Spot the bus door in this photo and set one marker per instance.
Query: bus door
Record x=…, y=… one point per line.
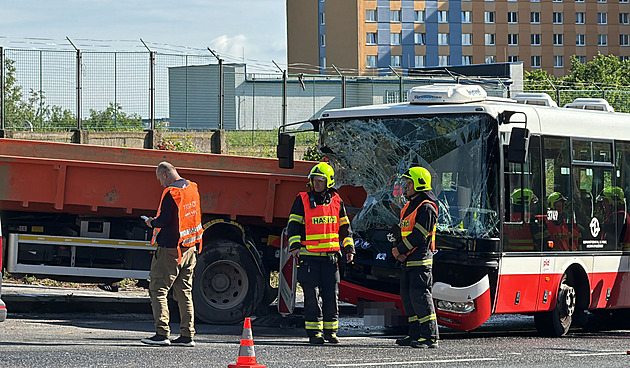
x=599, y=211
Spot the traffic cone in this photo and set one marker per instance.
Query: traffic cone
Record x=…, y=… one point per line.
x=246, y=355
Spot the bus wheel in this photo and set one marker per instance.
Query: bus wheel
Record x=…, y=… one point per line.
x=556, y=322
x=227, y=285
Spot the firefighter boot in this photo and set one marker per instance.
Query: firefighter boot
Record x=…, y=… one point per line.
x=404, y=341
x=424, y=343
x=316, y=340
x=331, y=338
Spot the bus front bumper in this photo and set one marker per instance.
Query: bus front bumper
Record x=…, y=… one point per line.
x=463, y=308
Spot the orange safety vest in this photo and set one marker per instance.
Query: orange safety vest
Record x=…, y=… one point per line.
x=560, y=235
x=321, y=225
x=408, y=223
x=188, y=213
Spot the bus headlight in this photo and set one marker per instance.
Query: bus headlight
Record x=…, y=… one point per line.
x=455, y=307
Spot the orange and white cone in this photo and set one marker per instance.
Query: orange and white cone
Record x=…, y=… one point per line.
x=246, y=355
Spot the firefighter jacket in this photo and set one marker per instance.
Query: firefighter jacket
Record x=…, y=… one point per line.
x=188, y=218
x=558, y=233
x=418, y=221
x=318, y=224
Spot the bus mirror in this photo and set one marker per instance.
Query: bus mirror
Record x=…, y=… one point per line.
x=517, y=150
x=286, y=145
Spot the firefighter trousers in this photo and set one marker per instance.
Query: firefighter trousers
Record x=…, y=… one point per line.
x=319, y=276
x=415, y=292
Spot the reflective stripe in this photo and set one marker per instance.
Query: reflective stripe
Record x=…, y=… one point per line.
x=331, y=325
x=297, y=218
x=407, y=244
x=314, y=325
x=322, y=247
x=428, y=318
x=412, y=319
x=322, y=236
x=190, y=231
x=424, y=262
x=344, y=221
x=348, y=242
x=304, y=252
x=422, y=230
x=294, y=239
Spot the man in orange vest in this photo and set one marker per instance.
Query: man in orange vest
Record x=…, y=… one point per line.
x=418, y=220
x=318, y=229
x=177, y=230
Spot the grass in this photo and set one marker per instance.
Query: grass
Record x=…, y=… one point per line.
x=262, y=143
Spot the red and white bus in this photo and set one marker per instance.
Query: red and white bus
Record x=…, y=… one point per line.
x=532, y=202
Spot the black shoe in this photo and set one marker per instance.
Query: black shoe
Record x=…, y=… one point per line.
x=183, y=341
x=316, y=340
x=404, y=341
x=157, y=340
x=113, y=289
x=332, y=338
x=424, y=343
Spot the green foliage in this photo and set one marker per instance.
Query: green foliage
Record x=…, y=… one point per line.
x=181, y=145
x=312, y=154
x=112, y=117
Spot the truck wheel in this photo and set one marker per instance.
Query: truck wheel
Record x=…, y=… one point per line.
x=227, y=285
x=556, y=322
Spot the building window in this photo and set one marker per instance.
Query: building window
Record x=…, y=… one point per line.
x=443, y=60
x=489, y=39
x=512, y=17
x=512, y=59
x=534, y=17
x=419, y=60
x=370, y=16
x=442, y=38
x=370, y=62
x=419, y=38
x=580, y=40
x=602, y=18
x=624, y=1
x=623, y=40
x=602, y=40
x=490, y=59
x=535, y=61
x=601, y=1
x=580, y=18
x=370, y=38
x=322, y=18
x=557, y=1
x=557, y=18
x=466, y=39
x=513, y=39
x=489, y=17
x=395, y=60
x=579, y=1
x=466, y=17
x=322, y=40
x=419, y=16
x=535, y=39
x=558, y=39
x=394, y=16
x=443, y=16
x=394, y=38
x=623, y=18
x=624, y=58
x=581, y=59
x=558, y=61
x=466, y=59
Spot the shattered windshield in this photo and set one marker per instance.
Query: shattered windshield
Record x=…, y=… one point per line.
x=460, y=151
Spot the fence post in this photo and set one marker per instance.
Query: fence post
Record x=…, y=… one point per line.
x=400, y=84
x=2, y=88
x=79, y=61
x=220, y=88
x=152, y=90
x=343, y=86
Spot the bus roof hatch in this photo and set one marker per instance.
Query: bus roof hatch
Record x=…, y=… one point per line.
x=446, y=93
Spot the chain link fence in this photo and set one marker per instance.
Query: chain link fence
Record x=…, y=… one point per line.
x=63, y=90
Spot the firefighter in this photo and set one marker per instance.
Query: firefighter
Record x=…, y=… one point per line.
x=418, y=221
x=526, y=236
x=318, y=230
x=615, y=227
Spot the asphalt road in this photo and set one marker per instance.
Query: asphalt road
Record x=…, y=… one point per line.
x=39, y=339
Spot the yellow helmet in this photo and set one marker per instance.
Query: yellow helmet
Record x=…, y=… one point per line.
x=525, y=196
x=554, y=198
x=324, y=170
x=614, y=195
x=421, y=178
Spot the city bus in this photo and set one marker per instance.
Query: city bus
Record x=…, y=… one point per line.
x=532, y=202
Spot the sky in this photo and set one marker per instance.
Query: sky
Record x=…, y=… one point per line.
x=249, y=30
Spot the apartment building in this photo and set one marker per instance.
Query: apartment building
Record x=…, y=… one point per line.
x=367, y=37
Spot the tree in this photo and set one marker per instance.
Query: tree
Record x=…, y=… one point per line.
x=111, y=118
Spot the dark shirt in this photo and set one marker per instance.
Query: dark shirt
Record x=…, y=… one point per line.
x=168, y=220
x=295, y=228
x=427, y=218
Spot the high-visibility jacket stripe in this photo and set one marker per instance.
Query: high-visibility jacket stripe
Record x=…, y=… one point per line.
x=424, y=262
x=321, y=224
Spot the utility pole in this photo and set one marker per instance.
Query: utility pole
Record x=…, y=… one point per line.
x=284, y=92
x=79, y=62
x=151, y=86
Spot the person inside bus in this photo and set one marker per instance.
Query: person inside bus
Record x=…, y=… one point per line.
x=557, y=234
x=615, y=228
x=583, y=206
x=523, y=237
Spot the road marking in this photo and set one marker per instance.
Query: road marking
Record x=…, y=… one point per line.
x=602, y=353
x=411, y=362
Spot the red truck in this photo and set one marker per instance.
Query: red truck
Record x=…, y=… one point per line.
x=72, y=212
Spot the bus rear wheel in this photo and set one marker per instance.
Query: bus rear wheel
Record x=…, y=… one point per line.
x=557, y=322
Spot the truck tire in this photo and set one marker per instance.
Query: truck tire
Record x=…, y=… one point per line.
x=227, y=286
x=557, y=322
